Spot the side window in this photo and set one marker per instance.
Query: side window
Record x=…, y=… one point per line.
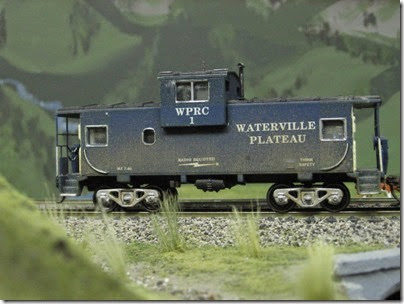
x=96, y=136
x=149, y=136
x=333, y=129
x=192, y=91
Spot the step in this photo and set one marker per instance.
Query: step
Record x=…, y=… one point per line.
x=70, y=190
x=71, y=182
x=368, y=182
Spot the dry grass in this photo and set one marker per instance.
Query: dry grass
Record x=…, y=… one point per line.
x=246, y=233
x=103, y=243
x=315, y=279
x=166, y=227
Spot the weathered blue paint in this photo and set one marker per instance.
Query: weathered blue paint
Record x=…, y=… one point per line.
x=232, y=149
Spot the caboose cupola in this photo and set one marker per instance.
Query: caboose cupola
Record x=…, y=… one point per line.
x=196, y=99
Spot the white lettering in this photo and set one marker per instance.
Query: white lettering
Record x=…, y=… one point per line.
x=250, y=128
x=312, y=125
x=205, y=111
x=189, y=111
x=277, y=139
x=195, y=111
x=302, y=138
x=282, y=125
x=253, y=139
x=180, y=111
x=274, y=126
x=240, y=127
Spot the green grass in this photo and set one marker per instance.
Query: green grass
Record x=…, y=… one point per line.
x=39, y=262
x=35, y=46
x=228, y=271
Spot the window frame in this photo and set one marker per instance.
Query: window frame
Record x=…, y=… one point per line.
x=155, y=137
x=87, y=134
x=343, y=119
x=192, y=81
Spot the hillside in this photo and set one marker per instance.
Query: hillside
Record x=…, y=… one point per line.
x=27, y=145
x=59, y=37
x=101, y=51
x=40, y=262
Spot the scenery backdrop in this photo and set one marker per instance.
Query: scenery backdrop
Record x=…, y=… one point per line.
x=57, y=53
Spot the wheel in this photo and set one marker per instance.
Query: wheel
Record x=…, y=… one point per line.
x=106, y=205
x=273, y=204
x=154, y=206
x=336, y=207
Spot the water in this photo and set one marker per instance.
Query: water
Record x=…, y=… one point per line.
x=51, y=106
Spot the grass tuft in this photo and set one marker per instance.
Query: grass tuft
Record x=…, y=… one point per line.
x=246, y=234
x=106, y=247
x=315, y=280
x=52, y=210
x=101, y=242
x=166, y=227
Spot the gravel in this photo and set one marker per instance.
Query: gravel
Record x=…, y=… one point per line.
x=273, y=230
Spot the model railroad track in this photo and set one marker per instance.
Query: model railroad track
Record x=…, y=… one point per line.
x=357, y=204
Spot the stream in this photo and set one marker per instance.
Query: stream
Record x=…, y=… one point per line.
x=51, y=106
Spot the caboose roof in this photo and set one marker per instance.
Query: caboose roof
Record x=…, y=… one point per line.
x=196, y=74
x=357, y=101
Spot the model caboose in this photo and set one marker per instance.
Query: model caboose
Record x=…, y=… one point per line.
x=205, y=132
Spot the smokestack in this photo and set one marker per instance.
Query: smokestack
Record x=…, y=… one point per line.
x=241, y=77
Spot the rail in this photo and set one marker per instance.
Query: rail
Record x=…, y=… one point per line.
x=219, y=205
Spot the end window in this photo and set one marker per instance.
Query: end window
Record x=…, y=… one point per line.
x=96, y=136
x=184, y=91
x=149, y=136
x=201, y=90
x=333, y=129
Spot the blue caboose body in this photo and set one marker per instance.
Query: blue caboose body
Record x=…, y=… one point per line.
x=204, y=132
